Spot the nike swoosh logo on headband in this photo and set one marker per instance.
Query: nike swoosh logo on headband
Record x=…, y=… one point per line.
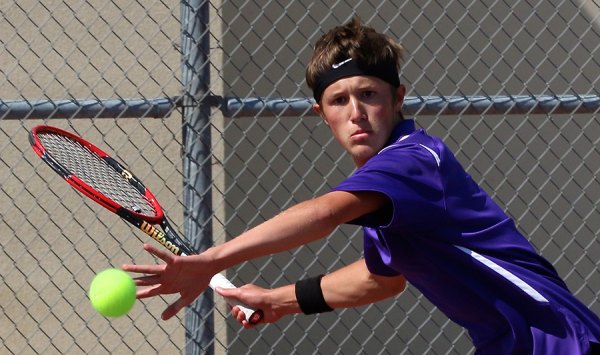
x=337, y=65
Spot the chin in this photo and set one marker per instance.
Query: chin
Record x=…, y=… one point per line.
x=362, y=156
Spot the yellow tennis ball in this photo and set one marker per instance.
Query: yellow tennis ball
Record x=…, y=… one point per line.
x=112, y=293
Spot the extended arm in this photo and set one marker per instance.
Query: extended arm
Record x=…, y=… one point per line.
x=350, y=286
x=299, y=225
x=306, y=222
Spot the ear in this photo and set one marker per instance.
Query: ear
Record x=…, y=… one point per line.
x=317, y=109
x=400, y=92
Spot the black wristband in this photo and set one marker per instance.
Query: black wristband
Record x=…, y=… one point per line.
x=310, y=296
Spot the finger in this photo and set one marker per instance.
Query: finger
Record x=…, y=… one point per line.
x=237, y=313
x=159, y=253
x=174, y=308
x=148, y=292
x=228, y=292
x=240, y=317
x=248, y=325
x=147, y=280
x=143, y=269
x=222, y=291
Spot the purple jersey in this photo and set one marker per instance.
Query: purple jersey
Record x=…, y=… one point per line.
x=452, y=242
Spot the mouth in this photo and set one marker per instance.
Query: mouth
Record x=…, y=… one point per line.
x=360, y=133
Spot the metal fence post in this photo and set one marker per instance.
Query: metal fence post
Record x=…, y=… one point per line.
x=197, y=162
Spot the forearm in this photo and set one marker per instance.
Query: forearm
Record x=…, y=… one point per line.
x=350, y=286
x=299, y=225
x=354, y=286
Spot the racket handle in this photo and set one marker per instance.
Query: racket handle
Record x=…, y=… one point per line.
x=253, y=316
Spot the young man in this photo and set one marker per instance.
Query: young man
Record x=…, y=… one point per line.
x=424, y=220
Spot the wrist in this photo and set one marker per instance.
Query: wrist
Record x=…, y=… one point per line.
x=283, y=300
x=212, y=261
x=309, y=296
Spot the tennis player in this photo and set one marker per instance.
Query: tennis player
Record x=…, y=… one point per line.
x=424, y=219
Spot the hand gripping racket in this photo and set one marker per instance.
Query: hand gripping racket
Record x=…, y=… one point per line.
x=104, y=180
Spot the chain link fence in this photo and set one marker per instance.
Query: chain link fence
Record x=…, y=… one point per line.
x=114, y=72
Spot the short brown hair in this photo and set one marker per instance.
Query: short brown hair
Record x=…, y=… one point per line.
x=353, y=40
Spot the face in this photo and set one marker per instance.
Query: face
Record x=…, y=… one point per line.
x=361, y=112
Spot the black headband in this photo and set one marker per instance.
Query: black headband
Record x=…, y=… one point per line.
x=349, y=67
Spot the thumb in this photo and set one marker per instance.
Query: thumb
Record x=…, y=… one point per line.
x=228, y=292
x=174, y=308
x=233, y=296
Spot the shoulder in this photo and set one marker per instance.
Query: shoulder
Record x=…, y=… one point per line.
x=417, y=149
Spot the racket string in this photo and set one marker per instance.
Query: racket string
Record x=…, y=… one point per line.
x=88, y=166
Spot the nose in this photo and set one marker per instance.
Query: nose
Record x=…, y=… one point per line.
x=357, y=112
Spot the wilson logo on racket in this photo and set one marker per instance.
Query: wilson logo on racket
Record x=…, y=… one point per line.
x=159, y=237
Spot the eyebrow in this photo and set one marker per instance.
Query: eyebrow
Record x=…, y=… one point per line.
x=359, y=87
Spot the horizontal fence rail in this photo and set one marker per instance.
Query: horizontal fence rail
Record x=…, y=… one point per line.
x=111, y=108
x=429, y=105
x=290, y=107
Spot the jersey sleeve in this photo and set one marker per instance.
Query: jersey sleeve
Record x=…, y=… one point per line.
x=408, y=174
x=375, y=255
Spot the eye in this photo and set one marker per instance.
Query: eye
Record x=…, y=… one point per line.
x=368, y=94
x=339, y=100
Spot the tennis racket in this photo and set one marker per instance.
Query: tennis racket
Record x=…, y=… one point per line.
x=104, y=180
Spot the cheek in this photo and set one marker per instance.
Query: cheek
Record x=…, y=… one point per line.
x=385, y=116
x=336, y=131
x=332, y=120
